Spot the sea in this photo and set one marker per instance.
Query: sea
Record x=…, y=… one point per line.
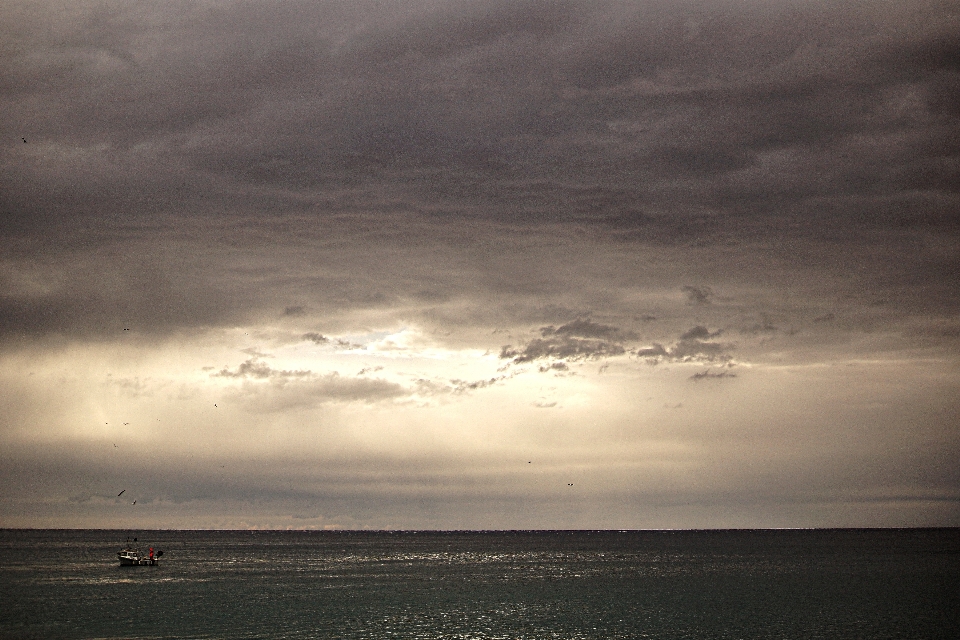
x=822, y=583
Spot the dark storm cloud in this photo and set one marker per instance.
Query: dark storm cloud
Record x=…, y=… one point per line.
x=662, y=124
x=504, y=103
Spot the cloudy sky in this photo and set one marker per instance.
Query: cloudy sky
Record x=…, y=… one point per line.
x=479, y=264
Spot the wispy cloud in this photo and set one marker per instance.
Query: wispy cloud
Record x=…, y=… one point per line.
x=709, y=374
x=254, y=368
x=279, y=393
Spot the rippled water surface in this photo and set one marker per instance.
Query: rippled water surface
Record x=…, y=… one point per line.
x=650, y=584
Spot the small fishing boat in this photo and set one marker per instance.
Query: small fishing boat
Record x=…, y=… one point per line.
x=133, y=557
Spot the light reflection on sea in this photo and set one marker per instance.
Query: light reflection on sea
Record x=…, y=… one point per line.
x=483, y=585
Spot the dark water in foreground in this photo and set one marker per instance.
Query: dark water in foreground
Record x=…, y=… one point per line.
x=688, y=584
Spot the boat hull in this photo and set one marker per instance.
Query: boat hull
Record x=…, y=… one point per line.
x=142, y=562
x=134, y=559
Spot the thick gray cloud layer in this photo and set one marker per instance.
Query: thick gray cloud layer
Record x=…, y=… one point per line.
x=626, y=113
x=785, y=126
x=500, y=214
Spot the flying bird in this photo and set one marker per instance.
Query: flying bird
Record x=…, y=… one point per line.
x=121, y=493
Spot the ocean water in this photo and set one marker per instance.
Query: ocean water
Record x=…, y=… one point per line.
x=543, y=584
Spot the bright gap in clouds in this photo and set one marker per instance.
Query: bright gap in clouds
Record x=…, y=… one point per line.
x=393, y=428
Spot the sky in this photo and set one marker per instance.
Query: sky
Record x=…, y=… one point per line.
x=486, y=264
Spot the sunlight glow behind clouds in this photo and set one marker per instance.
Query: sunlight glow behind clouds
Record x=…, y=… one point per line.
x=479, y=264
x=633, y=429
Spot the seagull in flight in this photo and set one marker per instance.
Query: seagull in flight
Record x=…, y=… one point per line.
x=121, y=493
